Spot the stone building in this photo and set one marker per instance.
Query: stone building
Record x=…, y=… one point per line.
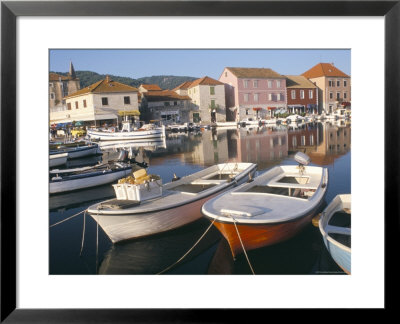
x=208, y=96
x=61, y=86
x=166, y=106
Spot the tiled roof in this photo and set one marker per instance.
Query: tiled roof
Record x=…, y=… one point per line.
x=324, y=69
x=261, y=73
x=151, y=87
x=183, y=86
x=164, y=95
x=298, y=81
x=104, y=86
x=205, y=81
x=56, y=77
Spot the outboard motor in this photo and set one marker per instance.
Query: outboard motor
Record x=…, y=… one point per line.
x=303, y=160
x=175, y=178
x=123, y=155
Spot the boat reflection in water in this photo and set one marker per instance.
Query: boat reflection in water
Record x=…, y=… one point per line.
x=155, y=254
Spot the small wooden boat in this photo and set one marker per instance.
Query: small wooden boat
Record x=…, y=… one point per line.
x=335, y=227
x=57, y=159
x=128, y=132
x=177, y=203
x=76, y=150
x=272, y=208
x=85, y=177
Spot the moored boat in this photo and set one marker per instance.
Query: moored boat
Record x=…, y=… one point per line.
x=57, y=159
x=76, y=150
x=128, y=132
x=335, y=227
x=172, y=205
x=80, y=178
x=272, y=208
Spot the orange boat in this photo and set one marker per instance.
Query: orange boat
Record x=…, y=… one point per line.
x=272, y=208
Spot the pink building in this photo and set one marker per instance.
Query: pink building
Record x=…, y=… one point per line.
x=253, y=92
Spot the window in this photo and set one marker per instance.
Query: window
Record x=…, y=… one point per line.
x=344, y=95
x=52, y=95
x=247, y=112
x=127, y=100
x=246, y=97
x=330, y=95
x=332, y=83
x=256, y=97
x=337, y=95
x=344, y=83
x=303, y=140
x=278, y=83
x=84, y=103
x=246, y=83
x=301, y=94
x=76, y=105
x=212, y=90
x=338, y=83
x=269, y=84
x=166, y=103
x=311, y=139
x=104, y=101
x=280, y=97
x=212, y=103
x=293, y=94
x=269, y=96
x=255, y=83
x=310, y=94
x=194, y=90
x=69, y=106
x=175, y=103
x=226, y=74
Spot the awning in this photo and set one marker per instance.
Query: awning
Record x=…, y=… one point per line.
x=105, y=116
x=257, y=108
x=345, y=103
x=129, y=113
x=271, y=108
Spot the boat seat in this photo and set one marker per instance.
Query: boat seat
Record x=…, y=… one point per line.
x=207, y=182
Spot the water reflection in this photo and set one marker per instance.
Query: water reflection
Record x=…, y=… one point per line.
x=327, y=144
x=266, y=146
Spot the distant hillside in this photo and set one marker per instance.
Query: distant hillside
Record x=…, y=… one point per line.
x=164, y=81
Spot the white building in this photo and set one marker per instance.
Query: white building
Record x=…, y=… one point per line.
x=102, y=101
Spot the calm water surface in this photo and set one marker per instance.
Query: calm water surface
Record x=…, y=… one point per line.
x=327, y=144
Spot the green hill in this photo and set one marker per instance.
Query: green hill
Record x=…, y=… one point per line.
x=163, y=81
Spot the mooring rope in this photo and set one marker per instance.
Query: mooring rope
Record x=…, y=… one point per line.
x=83, y=232
x=64, y=220
x=182, y=257
x=244, y=250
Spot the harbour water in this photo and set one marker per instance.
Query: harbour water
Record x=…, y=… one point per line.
x=79, y=246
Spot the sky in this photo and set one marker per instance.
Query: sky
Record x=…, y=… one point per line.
x=195, y=63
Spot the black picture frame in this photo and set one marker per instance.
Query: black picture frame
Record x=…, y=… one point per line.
x=10, y=10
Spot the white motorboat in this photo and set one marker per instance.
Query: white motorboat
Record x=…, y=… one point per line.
x=272, y=208
x=335, y=227
x=172, y=205
x=128, y=132
x=57, y=159
x=249, y=122
x=294, y=118
x=227, y=124
x=65, y=180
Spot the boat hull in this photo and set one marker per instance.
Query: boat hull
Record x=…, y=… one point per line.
x=104, y=136
x=58, y=159
x=82, y=152
x=341, y=256
x=87, y=182
x=256, y=236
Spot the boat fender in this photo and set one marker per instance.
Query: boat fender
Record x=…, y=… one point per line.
x=250, y=178
x=315, y=220
x=56, y=178
x=175, y=178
